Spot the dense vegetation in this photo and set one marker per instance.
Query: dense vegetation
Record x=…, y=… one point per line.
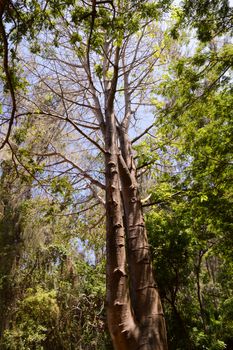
x=178, y=90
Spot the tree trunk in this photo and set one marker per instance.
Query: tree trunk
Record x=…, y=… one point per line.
x=10, y=245
x=134, y=310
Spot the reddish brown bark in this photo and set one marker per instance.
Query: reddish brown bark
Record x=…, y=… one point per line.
x=135, y=315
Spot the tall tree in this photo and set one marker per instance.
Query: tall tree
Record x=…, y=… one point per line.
x=96, y=87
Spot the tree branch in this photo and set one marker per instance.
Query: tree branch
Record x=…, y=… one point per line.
x=142, y=134
x=83, y=172
x=8, y=76
x=112, y=91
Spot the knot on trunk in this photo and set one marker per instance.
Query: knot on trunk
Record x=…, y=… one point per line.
x=120, y=272
x=111, y=163
x=115, y=203
x=118, y=225
x=133, y=186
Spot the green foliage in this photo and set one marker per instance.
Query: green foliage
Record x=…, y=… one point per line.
x=209, y=18
x=62, y=186
x=190, y=230
x=36, y=316
x=144, y=155
x=61, y=299
x=54, y=295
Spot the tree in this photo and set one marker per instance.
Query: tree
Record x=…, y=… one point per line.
x=51, y=294
x=210, y=19
x=88, y=74
x=190, y=227
x=97, y=77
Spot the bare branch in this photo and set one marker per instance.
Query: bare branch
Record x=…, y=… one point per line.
x=83, y=172
x=80, y=211
x=143, y=133
x=112, y=91
x=8, y=76
x=97, y=196
x=127, y=95
x=85, y=135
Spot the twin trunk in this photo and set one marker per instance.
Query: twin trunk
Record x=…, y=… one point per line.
x=135, y=316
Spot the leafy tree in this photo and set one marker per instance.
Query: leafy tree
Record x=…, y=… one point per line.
x=211, y=19
x=45, y=282
x=52, y=296
x=190, y=229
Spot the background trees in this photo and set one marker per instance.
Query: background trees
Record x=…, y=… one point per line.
x=190, y=226
x=53, y=169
